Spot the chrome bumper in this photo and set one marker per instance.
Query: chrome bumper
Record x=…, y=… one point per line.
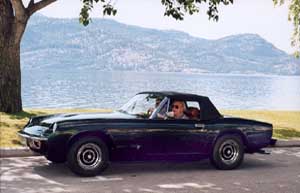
x=35, y=143
x=32, y=137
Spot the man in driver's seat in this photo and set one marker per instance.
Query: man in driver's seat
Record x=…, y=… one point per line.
x=157, y=102
x=178, y=108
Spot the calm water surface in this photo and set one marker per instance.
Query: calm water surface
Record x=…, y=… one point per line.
x=97, y=89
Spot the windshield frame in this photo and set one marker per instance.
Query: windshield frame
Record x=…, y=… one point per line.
x=133, y=101
x=160, y=106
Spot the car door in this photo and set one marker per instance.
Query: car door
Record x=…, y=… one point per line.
x=171, y=139
x=162, y=139
x=185, y=137
x=124, y=137
x=151, y=141
x=138, y=140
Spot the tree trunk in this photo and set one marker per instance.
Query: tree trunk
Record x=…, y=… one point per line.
x=10, y=79
x=11, y=31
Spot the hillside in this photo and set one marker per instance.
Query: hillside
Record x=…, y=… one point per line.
x=109, y=45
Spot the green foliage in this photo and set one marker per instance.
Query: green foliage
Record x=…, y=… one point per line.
x=174, y=8
x=294, y=16
x=178, y=8
x=88, y=5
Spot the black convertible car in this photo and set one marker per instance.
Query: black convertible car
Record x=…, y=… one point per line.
x=151, y=126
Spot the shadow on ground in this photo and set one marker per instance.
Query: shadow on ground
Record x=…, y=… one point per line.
x=134, y=169
x=37, y=175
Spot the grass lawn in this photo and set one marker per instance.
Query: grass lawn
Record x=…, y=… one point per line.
x=286, y=123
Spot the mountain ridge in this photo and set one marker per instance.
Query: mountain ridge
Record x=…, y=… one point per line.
x=110, y=45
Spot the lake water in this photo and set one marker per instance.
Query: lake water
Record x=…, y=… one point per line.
x=98, y=89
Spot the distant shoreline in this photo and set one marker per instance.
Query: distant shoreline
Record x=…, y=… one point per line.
x=250, y=74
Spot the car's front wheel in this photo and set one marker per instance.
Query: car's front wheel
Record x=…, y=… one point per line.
x=228, y=152
x=88, y=156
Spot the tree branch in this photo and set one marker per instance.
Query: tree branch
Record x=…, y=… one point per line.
x=18, y=8
x=33, y=7
x=31, y=3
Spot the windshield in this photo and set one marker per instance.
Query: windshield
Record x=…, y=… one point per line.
x=142, y=104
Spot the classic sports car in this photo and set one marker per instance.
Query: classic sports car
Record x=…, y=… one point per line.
x=147, y=129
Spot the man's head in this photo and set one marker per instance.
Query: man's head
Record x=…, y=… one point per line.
x=178, y=108
x=157, y=102
x=194, y=113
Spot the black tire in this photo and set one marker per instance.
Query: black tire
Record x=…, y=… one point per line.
x=88, y=156
x=228, y=152
x=39, y=151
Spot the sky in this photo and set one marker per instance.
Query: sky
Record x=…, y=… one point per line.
x=244, y=16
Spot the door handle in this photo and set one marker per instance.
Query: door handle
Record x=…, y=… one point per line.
x=199, y=125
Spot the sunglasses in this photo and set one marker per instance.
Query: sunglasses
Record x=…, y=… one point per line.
x=175, y=107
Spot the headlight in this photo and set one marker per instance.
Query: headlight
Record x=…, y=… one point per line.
x=54, y=127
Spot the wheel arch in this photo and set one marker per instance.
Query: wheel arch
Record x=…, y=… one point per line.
x=236, y=132
x=99, y=134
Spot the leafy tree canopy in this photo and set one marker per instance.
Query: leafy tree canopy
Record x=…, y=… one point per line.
x=294, y=16
x=174, y=8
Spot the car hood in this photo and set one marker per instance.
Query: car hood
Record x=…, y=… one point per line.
x=85, y=116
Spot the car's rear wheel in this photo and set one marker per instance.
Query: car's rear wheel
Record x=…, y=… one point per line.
x=88, y=156
x=228, y=152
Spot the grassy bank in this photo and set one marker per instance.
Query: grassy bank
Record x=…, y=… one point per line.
x=286, y=123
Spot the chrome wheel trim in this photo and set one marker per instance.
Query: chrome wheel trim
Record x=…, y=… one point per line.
x=229, y=151
x=89, y=156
